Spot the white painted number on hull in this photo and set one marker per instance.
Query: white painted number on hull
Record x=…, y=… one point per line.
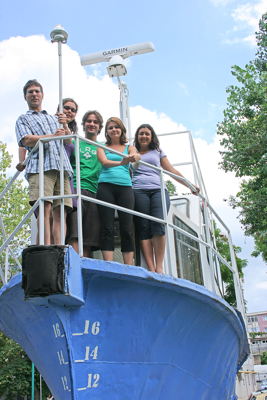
x=57, y=331
x=64, y=381
x=61, y=358
x=89, y=354
x=93, y=382
x=93, y=328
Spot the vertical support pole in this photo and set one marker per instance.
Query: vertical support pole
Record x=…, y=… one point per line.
x=60, y=76
x=41, y=227
x=208, y=239
x=124, y=107
x=238, y=291
x=6, y=264
x=79, y=201
x=32, y=396
x=196, y=178
x=60, y=36
x=41, y=388
x=167, y=256
x=62, y=209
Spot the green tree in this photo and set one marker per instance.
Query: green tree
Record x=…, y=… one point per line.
x=15, y=366
x=244, y=138
x=171, y=187
x=15, y=369
x=264, y=358
x=14, y=206
x=227, y=276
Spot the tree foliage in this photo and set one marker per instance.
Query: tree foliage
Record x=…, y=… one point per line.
x=257, y=334
x=14, y=206
x=171, y=187
x=244, y=138
x=15, y=369
x=16, y=372
x=264, y=358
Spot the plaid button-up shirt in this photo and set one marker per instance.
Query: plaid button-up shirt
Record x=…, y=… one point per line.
x=41, y=123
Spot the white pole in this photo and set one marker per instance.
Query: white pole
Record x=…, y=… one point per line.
x=60, y=76
x=41, y=193
x=124, y=107
x=60, y=36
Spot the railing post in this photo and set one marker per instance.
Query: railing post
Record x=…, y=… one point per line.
x=41, y=387
x=62, y=208
x=6, y=265
x=41, y=226
x=79, y=201
x=167, y=259
x=32, y=385
x=208, y=239
x=239, y=297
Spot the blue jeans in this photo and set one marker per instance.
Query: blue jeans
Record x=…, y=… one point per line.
x=148, y=201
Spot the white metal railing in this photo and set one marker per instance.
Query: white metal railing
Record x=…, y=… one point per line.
x=208, y=210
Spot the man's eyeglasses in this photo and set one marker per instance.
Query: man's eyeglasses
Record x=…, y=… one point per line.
x=68, y=108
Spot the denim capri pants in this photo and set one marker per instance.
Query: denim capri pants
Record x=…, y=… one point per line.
x=148, y=201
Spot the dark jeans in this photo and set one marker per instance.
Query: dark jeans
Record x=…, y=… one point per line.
x=90, y=222
x=122, y=196
x=148, y=201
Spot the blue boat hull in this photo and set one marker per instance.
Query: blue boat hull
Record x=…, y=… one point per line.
x=123, y=333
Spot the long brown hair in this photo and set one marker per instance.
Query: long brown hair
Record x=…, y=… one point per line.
x=154, y=144
x=117, y=121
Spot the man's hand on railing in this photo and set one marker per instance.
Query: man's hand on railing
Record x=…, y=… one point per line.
x=59, y=132
x=20, y=166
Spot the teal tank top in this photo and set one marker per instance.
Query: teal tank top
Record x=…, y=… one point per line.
x=117, y=175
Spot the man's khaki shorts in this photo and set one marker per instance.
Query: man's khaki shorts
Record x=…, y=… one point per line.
x=51, y=187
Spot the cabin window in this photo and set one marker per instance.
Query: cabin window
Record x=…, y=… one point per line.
x=182, y=204
x=187, y=254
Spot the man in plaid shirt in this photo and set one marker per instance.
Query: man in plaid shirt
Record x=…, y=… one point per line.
x=30, y=127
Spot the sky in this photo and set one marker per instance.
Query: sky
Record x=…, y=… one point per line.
x=180, y=86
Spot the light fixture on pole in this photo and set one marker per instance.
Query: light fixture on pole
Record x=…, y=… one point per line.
x=60, y=36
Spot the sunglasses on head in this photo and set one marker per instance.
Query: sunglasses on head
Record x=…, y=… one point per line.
x=68, y=108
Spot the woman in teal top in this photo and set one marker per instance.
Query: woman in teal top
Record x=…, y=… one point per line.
x=115, y=187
